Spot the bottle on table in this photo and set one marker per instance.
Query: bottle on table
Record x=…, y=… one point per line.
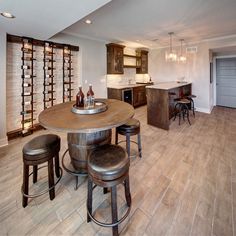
x=80, y=98
x=90, y=97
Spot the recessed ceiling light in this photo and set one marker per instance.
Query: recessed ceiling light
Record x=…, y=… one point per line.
x=89, y=22
x=7, y=15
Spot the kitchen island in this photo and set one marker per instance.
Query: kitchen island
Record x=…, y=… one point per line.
x=161, y=101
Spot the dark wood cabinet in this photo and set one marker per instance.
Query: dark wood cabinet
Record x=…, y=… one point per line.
x=142, y=62
x=115, y=59
x=139, y=96
x=113, y=93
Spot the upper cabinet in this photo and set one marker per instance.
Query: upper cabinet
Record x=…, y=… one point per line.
x=115, y=60
x=142, y=61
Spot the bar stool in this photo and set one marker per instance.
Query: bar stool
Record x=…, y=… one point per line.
x=190, y=98
x=181, y=108
x=132, y=127
x=108, y=166
x=37, y=151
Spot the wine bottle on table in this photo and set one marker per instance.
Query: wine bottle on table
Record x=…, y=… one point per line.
x=80, y=98
x=90, y=97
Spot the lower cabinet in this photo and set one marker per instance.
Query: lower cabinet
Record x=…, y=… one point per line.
x=139, y=96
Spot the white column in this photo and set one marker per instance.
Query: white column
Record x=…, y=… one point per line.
x=3, y=65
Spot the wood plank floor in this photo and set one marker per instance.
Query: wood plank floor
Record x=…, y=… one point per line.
x=185, y=184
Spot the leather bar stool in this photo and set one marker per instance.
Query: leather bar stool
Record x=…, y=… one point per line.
x=181, y=108
x=190, y=98
x=39, y=150
x=132, y=127
x=108, y=166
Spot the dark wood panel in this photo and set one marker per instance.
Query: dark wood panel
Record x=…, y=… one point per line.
x=37, y=42
x=158, y=108
x=114, y=93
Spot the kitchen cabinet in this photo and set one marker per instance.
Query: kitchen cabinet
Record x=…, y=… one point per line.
x=142, y=62
x=115, y=59
x=139, y=96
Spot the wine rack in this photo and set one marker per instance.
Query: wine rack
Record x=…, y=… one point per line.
x=67, y=74
x=48, y=68
x=27, y=94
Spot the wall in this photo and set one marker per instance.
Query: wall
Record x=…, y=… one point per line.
x=3, y=138
x=92, y=62
x=196, y=70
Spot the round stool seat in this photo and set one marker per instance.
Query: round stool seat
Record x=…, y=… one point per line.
x=132, y=126
x=41, y=146
x=108, y=162
x=183, y=101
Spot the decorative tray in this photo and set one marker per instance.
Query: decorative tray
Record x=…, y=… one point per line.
x=99, y=106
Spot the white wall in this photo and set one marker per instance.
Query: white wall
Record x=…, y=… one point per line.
x=3, y=44
x=196, y=70
x=92, y=62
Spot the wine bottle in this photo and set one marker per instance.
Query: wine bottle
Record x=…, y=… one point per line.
x=90, y=97
x=25, y=67
x=80, y=98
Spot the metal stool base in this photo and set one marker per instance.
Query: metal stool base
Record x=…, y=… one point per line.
x=73, y=172
x=45, y=191
x=109, y=224
x=139, y=153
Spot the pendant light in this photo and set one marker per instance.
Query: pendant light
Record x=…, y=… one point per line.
x=181, y=58
x=171, y=55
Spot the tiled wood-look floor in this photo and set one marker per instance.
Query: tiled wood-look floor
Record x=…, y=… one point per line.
x=185, y=184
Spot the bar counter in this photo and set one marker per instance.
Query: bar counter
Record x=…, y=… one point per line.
x=161, y=101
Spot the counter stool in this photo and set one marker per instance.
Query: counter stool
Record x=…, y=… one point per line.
x=190, y=98
x=181, y=108
x=132, y=127
x=108, y=166
x=37, y=151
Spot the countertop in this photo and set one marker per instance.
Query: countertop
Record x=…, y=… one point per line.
x=168, y=85
x=128, y=85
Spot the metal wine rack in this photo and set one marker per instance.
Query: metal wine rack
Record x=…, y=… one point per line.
x=27, y=94
x=48, y=67
x=67, y=73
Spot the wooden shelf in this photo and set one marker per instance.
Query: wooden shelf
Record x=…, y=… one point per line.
x=131, y=56
x=131, y=66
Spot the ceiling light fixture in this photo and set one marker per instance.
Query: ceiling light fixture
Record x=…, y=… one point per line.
x=181, y=57
x=170, y=54
x=7, y=15
x=89, y=22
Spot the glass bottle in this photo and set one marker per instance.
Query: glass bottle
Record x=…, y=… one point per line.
x=90, y=97
x=80, y=98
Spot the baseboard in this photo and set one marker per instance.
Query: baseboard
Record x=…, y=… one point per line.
x=204, y=110
x=3, y=142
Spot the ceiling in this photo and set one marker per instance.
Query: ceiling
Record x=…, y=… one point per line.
x=147, y=23
x=44, y=18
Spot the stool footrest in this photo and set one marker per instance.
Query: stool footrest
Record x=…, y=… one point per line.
x=45, y=191
x=109, y=224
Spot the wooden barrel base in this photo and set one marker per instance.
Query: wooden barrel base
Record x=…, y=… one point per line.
x=81, y=144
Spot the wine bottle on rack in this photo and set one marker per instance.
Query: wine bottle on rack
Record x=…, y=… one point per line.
x=25, y=67
x=90, y=97
x=80, y=98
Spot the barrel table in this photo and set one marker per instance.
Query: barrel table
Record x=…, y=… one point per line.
x=87, y=131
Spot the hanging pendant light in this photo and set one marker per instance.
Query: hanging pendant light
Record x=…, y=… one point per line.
x=171, y=55
x=182, y=58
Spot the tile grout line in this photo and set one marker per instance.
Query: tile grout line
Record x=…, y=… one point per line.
x=214, y=204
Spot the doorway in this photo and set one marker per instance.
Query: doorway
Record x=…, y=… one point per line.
x=226, y=82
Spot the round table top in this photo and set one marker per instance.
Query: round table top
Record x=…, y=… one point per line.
x=61, y=118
